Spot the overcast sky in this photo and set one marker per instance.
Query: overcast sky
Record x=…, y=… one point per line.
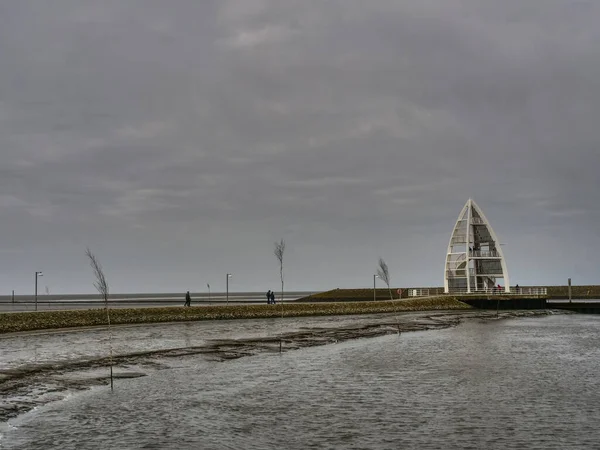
x=179, y=139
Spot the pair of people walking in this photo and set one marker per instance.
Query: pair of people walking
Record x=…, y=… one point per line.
x=270, y=298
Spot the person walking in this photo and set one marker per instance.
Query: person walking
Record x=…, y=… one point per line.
x=272, y=298
x=269, y=297
x=188, y=299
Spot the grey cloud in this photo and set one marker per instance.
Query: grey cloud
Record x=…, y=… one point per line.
x=184, y=137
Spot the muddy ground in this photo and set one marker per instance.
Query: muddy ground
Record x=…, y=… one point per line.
x=24, y=387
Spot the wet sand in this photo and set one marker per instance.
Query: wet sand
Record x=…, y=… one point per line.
x=25, y=384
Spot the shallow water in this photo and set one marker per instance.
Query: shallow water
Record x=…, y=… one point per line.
x=39, y=367
x=41, y=348
x=518, y=383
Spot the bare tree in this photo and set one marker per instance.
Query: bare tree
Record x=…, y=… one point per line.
x=384, y=273
x=279, y=250
x=101, y=286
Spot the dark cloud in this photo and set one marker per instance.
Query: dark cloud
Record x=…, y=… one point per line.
x=180, y=139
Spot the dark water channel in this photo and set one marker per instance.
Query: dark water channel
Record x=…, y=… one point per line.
x=520, y=383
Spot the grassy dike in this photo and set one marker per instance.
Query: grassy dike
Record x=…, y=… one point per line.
x=45, y=320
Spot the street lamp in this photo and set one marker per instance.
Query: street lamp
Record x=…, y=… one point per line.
x=227, y=286
x=37, y=274
x=374, y=295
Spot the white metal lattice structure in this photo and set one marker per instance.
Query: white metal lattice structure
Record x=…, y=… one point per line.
x=474, y=261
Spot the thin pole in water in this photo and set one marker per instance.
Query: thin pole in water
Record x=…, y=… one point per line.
x=375, y=287
x=109, y=340
x=227, y=277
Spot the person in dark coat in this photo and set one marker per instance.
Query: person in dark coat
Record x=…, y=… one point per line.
x=272, y=297
x=269, y=297
x=188, y=299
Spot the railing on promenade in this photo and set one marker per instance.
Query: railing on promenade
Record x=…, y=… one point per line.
x=513, y=290
x=418, y=292
x=425, y=292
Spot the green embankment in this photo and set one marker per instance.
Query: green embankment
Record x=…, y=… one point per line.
x=357, y=295
x=352, y=295
x=43, y=320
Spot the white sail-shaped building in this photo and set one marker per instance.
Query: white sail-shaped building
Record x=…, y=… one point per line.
x=474, y=261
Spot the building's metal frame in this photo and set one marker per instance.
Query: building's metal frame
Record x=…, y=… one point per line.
x=474, y=260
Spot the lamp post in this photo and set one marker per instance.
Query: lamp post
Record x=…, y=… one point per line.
x=227, y=287
x=37, y=274
x=374, y=294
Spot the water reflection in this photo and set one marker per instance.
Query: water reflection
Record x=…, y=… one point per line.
x=524, y=383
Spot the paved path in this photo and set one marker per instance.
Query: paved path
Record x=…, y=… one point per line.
x=69, y=302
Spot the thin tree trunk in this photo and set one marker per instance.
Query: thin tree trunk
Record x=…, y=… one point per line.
x=110, y=351
x=281, y=299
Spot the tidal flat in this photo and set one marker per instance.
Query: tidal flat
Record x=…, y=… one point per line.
x=40, y=367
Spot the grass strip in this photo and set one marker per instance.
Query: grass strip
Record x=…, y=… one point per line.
x=43, y=320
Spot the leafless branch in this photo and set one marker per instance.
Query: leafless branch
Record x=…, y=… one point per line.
x=101, y=286
x=384, y=273
x=279, y=250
